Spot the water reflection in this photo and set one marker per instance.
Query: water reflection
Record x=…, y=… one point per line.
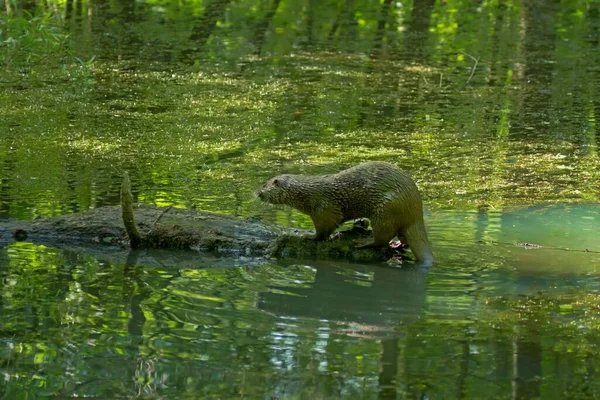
x=371, y=299
x=483, y=318
x=484, y=104
x=373, y=302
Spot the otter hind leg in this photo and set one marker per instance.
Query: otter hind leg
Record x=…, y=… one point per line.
x=382, y=234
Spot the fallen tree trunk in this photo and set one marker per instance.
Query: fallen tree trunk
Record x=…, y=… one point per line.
x=182, y=229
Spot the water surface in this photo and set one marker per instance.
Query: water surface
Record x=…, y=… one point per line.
x=489, y=317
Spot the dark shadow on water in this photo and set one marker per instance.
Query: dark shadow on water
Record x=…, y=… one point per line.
x=378, y=298
x=374, y=301
x=388, y=369
x=132, y=297
x=527, y=366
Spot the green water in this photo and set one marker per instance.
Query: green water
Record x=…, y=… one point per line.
x=492, y=106
x=487, y=321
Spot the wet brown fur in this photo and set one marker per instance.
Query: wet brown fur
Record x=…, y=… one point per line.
x=379, y=191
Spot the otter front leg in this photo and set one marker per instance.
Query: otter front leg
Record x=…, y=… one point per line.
x=325, y=224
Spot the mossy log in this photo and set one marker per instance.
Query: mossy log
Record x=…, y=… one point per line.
x=189, y=230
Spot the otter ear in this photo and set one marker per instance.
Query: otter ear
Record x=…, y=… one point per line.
x=280, y=182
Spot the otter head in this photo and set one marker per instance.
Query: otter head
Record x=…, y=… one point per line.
x=275, y=191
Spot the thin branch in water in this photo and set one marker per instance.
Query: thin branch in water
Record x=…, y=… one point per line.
x=474, y=66
x=472, y=71
x=537, y=246
x=441, y=75
x=425, y=79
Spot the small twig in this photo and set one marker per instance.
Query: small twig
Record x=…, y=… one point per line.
x=425, y=79
x=441, y=75
x=160, y=216
x=474, y=66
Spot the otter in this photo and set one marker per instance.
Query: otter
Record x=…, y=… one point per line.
x=379, y=191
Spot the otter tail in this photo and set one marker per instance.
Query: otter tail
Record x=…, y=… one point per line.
x=416, y=238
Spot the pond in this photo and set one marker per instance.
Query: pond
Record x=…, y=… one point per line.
x=492, y=107
x=488, y=320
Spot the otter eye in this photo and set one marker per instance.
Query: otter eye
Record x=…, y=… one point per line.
x=276, y=182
